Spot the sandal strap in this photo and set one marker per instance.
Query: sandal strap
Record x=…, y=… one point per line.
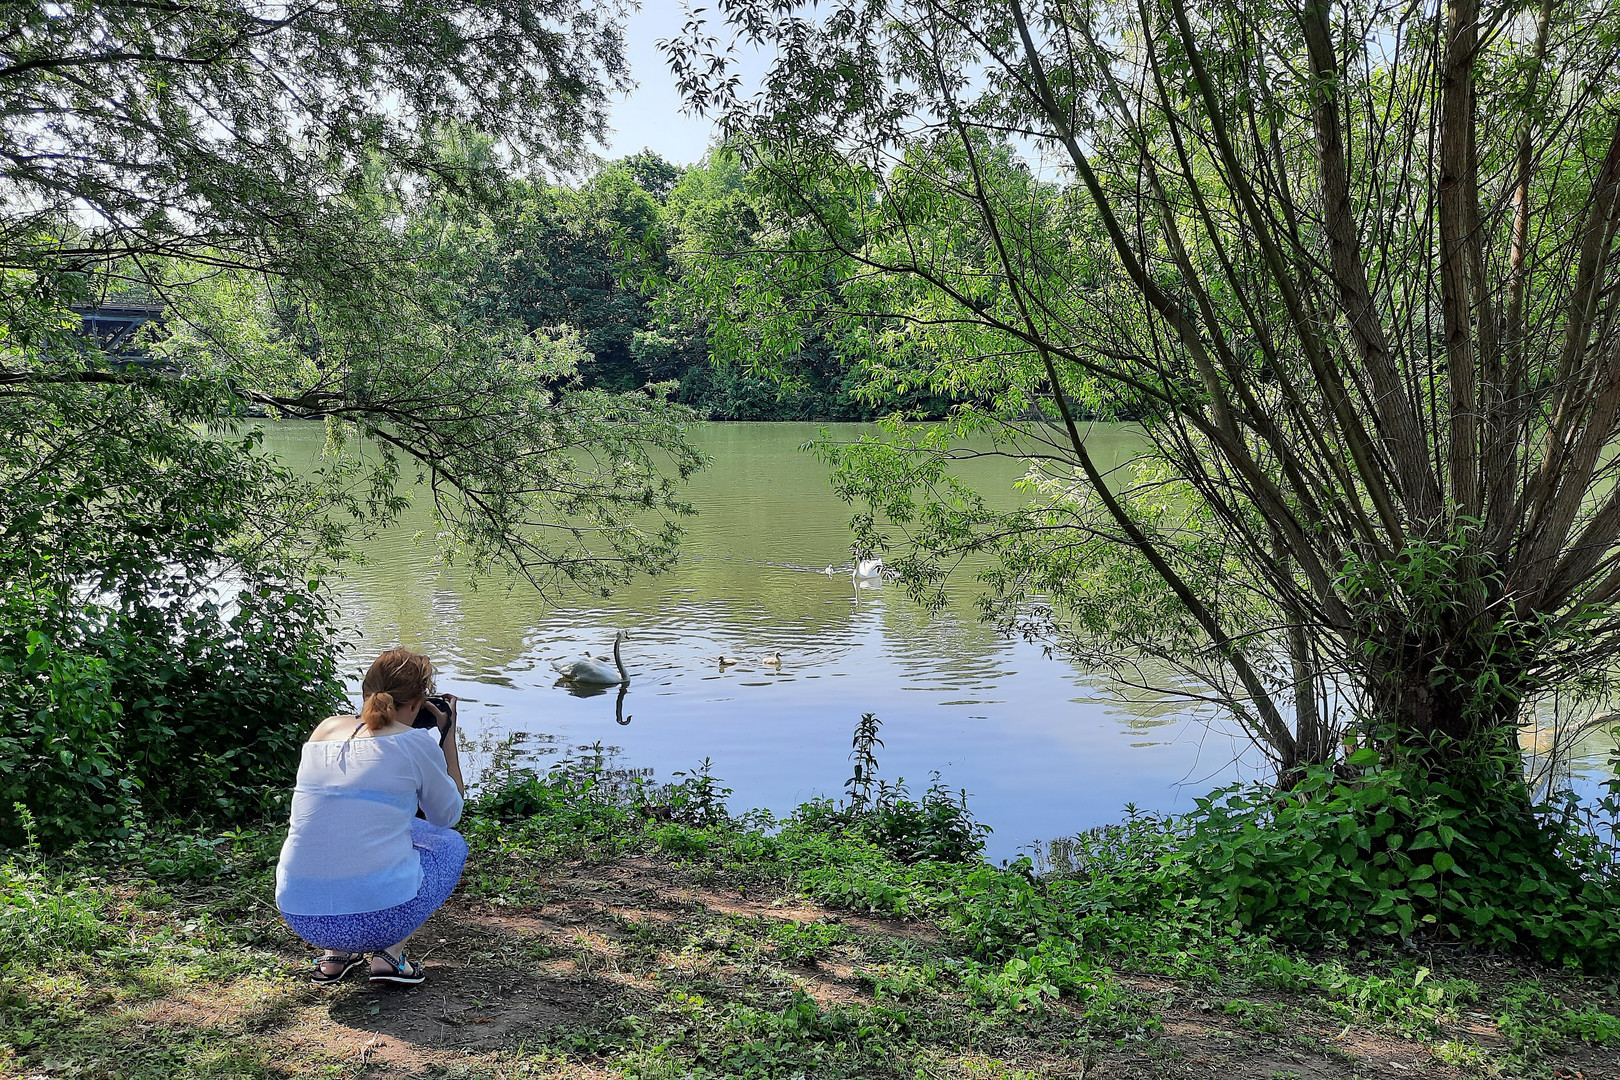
x=345, y=963
x=402, y=964
x=346, y=959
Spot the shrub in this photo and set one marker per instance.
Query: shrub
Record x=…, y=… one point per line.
x=697, y=798
x=59, y=736
x=1394, y=855
x=939, y=827
x=936, y=828
x=577, y=809
x=1387, y=855
x=157, y=699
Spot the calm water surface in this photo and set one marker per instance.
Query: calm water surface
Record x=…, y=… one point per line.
x=1042, y=747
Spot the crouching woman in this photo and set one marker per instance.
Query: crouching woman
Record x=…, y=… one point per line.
x=360, y=871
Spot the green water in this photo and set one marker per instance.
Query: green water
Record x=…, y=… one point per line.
x=1043, y=748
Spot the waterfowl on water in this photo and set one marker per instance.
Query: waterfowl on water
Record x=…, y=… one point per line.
x=594, y=670
x=867, y=569
x=771, y=659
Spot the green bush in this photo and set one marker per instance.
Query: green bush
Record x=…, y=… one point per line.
x=697, y=798
x=938, y=827
x=59, y=735
x=575, y=810
x=1393, y=855
x=158, y=701
x=162, y=649
x=1384, y=856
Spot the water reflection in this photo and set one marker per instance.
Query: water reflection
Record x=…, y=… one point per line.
x=586, y=691
x=1045, y=749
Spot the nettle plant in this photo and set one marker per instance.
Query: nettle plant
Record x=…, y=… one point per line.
x=935, y=827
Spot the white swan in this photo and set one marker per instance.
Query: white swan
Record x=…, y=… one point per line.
x=771, y=659
x=594, y=670
x=867, y=569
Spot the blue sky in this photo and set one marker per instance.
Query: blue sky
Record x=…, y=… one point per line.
x=651, y=116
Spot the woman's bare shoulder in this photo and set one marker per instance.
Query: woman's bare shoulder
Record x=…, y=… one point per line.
x=333, y=727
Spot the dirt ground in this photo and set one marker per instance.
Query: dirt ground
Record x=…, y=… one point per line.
x=607, y=944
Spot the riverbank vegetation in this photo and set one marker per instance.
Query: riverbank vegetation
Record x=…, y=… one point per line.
x=1353, y=270
x=608, y=929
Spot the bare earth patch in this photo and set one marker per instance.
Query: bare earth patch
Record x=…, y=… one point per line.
x=619, y=950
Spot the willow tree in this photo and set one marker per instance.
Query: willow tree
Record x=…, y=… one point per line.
x=302, y=189
x=1352, y=266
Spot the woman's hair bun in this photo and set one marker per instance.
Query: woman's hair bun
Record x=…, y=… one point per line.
x=396, y=677
x=378, y=712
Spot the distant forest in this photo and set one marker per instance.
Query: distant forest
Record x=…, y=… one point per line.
x=614, y=258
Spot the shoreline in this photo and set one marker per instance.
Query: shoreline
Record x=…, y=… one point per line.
x=590, y=940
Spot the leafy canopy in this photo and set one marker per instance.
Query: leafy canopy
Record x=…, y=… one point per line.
x=1352, y=270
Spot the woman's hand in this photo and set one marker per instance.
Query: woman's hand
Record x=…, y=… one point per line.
x=443, y=720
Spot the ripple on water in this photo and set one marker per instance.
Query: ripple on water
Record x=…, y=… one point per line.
x=1050, y=751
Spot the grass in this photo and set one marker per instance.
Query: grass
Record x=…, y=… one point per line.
x=589, y=942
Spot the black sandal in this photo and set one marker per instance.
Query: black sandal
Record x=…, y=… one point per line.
x=350, y=961
x=403, y=970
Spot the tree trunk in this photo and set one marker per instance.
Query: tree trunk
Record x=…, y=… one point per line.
x=1429, y=713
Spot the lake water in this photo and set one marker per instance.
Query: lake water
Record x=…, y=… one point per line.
x=1043, y=748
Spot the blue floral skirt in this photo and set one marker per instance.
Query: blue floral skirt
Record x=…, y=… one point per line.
x=443, y=853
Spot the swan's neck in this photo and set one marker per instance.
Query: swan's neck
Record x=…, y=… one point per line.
x=623, y=674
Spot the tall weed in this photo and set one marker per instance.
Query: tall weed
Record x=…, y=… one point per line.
x=41, y=916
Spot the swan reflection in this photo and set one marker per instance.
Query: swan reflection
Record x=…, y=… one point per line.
x=585, y=690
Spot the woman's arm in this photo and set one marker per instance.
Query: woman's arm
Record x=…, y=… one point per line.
x=452, y=760
x=438, y=793
x=447, y=739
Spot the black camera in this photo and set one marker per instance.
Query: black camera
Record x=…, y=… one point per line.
x=426, y=719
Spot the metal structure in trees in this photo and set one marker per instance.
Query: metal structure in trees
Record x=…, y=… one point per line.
x=114, y=328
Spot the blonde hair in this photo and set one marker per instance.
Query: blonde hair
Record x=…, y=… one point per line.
x=397, y=676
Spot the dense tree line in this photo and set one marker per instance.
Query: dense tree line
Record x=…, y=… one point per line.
x=614, y=258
